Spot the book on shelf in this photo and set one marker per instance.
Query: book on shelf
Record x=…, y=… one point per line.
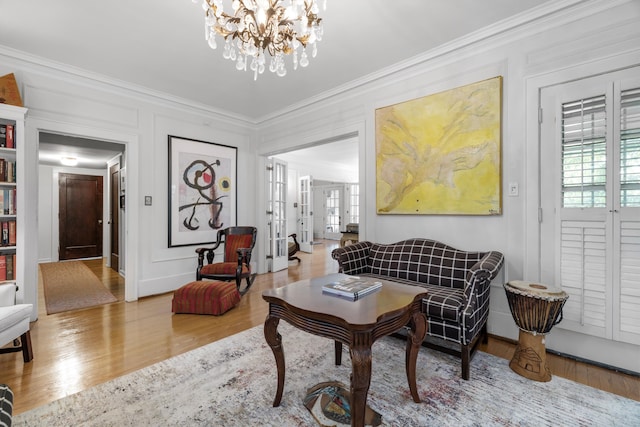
x=12, y=233
x=3, y=267
x=3, y=136
x=10, y=137
x=7, y=201
x=352, y=287
x=5, y=233
x=11, y=174
x=7, y=170
x=9, y=268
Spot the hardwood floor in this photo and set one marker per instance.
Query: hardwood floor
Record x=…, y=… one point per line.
x=77, y=350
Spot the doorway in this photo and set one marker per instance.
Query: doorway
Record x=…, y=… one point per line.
x=68, y=229
x=331, y=161
x=80, y=216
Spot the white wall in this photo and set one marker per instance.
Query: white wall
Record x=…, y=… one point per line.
x=577, y=37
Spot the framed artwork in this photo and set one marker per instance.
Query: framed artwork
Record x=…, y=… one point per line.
x=441, y=154
x=202, y=190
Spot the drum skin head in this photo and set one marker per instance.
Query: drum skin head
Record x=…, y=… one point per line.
x=536, y=289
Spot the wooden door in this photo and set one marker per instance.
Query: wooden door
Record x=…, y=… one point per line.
x=80, y=218
x=114, y=216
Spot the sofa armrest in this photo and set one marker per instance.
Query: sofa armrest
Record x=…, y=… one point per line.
x=480, y=276
x=491, y=263
x=353, y=259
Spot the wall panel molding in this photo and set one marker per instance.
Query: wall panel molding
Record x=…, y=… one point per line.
x=65, y=104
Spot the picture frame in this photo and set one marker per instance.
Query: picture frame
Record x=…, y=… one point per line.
x=202, y=190
x=441, y=154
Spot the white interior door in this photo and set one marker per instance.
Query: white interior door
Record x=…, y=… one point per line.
x=305, y=223
x=590, y=202
x=333, y=212
x=277, y=214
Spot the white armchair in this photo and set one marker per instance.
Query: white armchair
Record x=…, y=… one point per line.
x=14, y=323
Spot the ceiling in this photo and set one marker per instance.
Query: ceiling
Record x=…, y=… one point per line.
x=90, y=154
x=158, y=47
x=333, y=161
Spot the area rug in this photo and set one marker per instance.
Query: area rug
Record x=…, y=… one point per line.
x=71, y=285
x=232, y=382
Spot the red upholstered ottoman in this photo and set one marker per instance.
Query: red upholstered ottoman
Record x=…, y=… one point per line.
x=205, y=297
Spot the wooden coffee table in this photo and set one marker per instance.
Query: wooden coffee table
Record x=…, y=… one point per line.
x=355, y=323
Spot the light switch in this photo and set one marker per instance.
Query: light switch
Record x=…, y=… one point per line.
x=147, y=200
x=513, y=189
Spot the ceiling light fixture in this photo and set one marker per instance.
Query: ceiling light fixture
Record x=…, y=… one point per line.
x=69, y=161
x=260, y=26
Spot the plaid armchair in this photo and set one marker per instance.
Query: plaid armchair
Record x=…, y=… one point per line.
x=458, y=284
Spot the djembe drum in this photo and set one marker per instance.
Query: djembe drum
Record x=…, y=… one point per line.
x=536, y=308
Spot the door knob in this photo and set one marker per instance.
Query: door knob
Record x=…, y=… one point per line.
x=100, y=221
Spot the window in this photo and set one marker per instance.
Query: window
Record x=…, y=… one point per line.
x=584, y=158
x=584, y=151
x=630, y=148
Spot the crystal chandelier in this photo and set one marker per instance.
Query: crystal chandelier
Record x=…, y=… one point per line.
x=260, y=26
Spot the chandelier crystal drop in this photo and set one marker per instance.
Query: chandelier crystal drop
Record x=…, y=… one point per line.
x=279, y=27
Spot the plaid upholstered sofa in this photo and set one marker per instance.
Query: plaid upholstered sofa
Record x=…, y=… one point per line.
x=457, y=282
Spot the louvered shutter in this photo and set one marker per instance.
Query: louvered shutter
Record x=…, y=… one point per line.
x=583, y=216
x=584, y=157
x=583, y=270
x=629, y=243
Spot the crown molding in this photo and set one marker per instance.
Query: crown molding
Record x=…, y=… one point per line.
x=44, y=66
x=549, y=14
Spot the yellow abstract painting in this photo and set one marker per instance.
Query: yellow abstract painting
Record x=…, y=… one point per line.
x=441, y=154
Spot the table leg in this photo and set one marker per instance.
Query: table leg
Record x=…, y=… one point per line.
x=415, y=335
x=274, y=339
x=360, y=352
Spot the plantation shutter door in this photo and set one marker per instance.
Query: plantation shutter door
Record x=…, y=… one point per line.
x=584, y=223
x=627, y=327
x=590, y=202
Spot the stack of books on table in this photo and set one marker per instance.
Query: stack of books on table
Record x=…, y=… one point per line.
x=352, y=287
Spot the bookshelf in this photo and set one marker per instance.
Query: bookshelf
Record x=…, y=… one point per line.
x=12, y=140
